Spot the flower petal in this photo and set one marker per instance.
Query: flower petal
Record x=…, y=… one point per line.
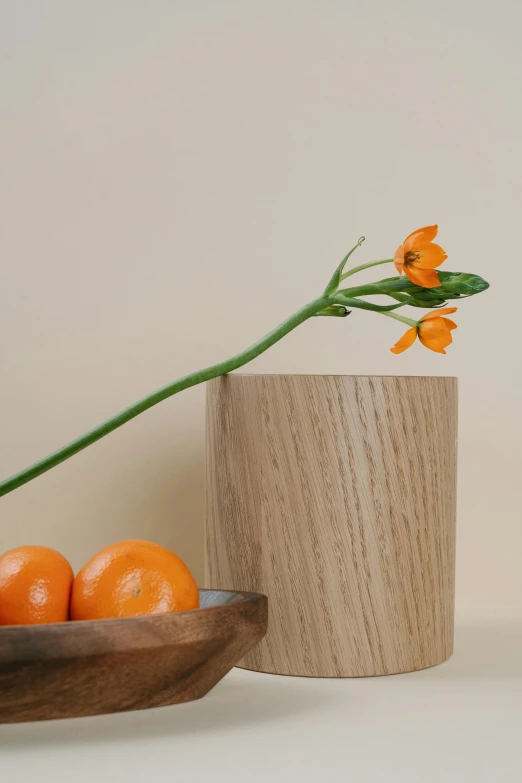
x=431, y=256
x=438, y=313
x=434, y=329
x=437, y=344
x=450, y=324
x=433, y=346
x=398, y=259
x=406, y=341
x=426, y=278
x=435, y=334
x=412, y=240
x=428, y=235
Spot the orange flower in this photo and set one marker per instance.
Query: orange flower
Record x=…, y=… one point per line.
x=433, y=331
x=419, y=256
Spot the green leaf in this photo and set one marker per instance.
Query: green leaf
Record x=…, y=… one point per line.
x=335, y=280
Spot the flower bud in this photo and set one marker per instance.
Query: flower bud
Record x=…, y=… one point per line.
x=462, y=283
x=335, y=311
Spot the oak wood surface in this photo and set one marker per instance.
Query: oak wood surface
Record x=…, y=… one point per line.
x=335, y=496
x=70, y=669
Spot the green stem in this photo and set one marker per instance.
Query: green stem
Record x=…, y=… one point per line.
x=348, y=301
x=144, y=404
x=402, y=318
x=365, y=266
x=364, y=290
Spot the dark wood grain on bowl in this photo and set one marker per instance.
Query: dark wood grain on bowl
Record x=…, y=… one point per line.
x=67, y=670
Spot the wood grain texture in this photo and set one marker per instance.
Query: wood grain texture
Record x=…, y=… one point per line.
x=70, y=669
x=335, y=496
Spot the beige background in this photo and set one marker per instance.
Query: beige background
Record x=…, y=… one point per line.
x=179, y=177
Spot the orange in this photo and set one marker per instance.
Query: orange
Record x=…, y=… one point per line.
x=132, y=578
x=35, y=586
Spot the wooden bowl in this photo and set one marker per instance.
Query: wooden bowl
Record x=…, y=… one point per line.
x=65, y=670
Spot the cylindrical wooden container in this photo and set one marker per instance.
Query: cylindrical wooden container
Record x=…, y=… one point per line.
x=335, y=496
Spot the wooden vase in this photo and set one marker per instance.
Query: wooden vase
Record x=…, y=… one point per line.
x=335, y=496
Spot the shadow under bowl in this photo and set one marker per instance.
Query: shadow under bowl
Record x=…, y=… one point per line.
x=93, y=667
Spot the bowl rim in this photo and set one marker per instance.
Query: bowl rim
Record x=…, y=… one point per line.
x=241, y=597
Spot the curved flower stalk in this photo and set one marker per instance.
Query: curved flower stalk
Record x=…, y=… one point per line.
x=422, y=286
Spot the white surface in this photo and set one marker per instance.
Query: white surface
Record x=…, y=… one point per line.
x=460, y=721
